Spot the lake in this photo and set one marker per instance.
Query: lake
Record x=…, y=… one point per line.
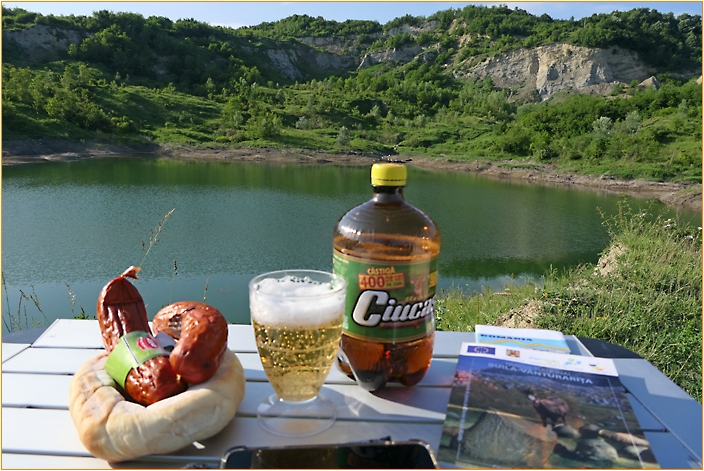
x=70, y=227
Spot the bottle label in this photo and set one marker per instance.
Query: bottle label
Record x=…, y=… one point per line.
x=388, y=301
x=132, y=350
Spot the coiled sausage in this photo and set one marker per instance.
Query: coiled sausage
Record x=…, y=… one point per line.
x=201, y=334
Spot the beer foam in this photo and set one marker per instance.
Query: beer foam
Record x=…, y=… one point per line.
x=291, y=286
x=295, y=302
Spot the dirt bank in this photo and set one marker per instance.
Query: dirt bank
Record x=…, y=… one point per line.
x=32, y=151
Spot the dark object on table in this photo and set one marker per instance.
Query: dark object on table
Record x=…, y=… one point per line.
x=600, y=348
x=411, y=454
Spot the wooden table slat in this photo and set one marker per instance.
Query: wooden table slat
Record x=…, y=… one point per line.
x=354, y=403
x=9, y=350
x=66, y=361
x=71, y=333
x=40, y=431
x=665, y=400
x=34, y=461
x=426, y=404
x=32, y=390
x=670, y=453
x=646, y=420
x=48, y=360
x=75, y=333
x=81, y=334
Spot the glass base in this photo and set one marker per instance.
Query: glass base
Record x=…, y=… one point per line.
x=296, y=419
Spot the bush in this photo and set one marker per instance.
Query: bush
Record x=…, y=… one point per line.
x=343, y=138
x=264, y=126
x=631, y=125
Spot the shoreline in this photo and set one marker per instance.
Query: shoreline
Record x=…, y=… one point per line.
x=679, y=196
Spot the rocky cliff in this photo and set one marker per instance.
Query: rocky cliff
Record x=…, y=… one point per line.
x=43, y=43
x=530, y=73
x=547, y=70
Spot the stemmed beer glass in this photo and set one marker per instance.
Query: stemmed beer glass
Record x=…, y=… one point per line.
x=297, y=319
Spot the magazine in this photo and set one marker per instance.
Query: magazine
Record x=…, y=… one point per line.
x=537, y=339
x=522, y=408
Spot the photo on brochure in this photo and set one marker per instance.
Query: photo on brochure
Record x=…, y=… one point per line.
x=520, y=408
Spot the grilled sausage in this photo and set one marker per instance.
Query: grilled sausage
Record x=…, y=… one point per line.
x=201, y=334
x=120, y=310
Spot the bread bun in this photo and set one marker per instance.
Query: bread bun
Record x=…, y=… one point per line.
x=114, y=429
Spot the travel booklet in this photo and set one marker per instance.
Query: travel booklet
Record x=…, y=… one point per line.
x=521, y=408
x=537, y=339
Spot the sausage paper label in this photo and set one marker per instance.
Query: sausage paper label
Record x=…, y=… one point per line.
x=388, y=301
x=132, y=350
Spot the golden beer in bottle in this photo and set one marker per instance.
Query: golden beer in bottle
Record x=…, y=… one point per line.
x=387, y=251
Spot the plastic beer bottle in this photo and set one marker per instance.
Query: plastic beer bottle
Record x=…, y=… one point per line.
x=387, y=250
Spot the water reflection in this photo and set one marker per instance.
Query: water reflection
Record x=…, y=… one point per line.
x=82, y=223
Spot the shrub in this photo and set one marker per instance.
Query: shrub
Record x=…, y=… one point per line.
x=343, y=138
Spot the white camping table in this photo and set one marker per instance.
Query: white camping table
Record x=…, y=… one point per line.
x=37, y=431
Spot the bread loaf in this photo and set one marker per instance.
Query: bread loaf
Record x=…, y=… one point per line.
x=114, y=429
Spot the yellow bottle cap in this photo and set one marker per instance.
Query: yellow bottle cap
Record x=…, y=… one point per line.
x=389, y=175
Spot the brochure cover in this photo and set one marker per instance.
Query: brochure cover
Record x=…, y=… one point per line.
x=523, y=408
x=536, y=339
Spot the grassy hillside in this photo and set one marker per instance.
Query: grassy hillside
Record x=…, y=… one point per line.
x=646, y=296
x=135, y=79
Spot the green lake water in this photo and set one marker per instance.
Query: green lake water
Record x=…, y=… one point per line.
x=71, y=227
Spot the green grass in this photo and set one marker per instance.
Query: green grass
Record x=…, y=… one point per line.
x=459, y=312
x=18, y=319
x=666, y=146
x=650, y=303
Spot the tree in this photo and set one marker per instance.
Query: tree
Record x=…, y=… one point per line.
x=602, y=127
